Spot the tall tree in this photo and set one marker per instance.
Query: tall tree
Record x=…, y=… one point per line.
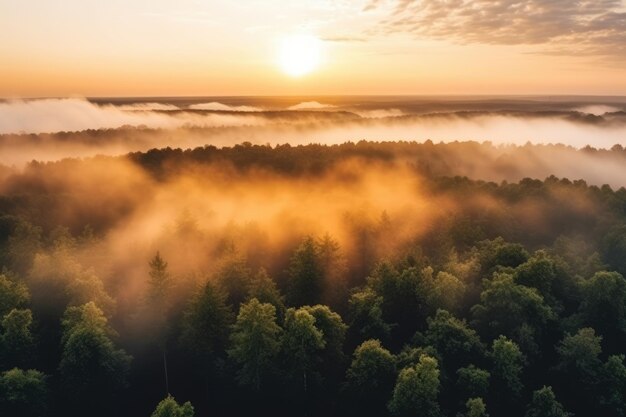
x=206, y=322
x=512, y=310
x=13, y=294
x=370, y=379
x=306, y=274
x=544, y=404
x=16, y=340
x=23, y=393
x=476, y=408
x=507, y=367
x=458, y=344
x=158, y=306
x=92, y=369
x=302, y=341
x=366, y=316
x=255, y=341
x=416, y=390
x=168, y=407
x=603, y=307
x=263, y=288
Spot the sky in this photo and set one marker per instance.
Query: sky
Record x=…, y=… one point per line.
x=94, y=48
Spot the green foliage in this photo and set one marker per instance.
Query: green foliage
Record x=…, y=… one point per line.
x=513, y=310
x=92, y=369
x=306, y=274
x=612, y=394
x=498, y=253
x=603, y=306
x=206, y=321
x=234, y=276
x=255, y=341
x=23, y=393
x=333, y=330
x=544, y=404
x=366, y=315
x=473, y=381
x=168, y=407
x=579, y=355
x=264, y=289
x=416, y=390
x=448, y=292
x=60, y=279
x=159, y=283
x=370, y=378
x=508, y=364
x=16, y=340
x=476, y=408
x=13, y=294
x=302, y=342
x=453, y=339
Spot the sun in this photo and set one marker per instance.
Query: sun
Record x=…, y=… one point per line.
x=299, y=54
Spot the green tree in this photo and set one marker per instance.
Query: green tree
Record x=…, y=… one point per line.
x=333, y=330
x=24, y=243
x=16, y=341
x=366, y=316
x=13, y=294
x=612, y=390
x=507, y=367
x=604, y=307
x=333, y=265
x=473, y=382
x=263, y=288
x=302, y=341
x=448, y=292
x=548, y=277
x=579, y=367
x=370, y=379
x=544, y=404
x=234, y=276
x=23, y=393
x=512, y=310
x=416, y=390
x=158, y=303
x=476, y=408
x=255, y=341
x=306, y=274
x=579, y=355
x=92, y=369
x=168, y=407
x=206, y=322
x=457, y=343
x=159, y=283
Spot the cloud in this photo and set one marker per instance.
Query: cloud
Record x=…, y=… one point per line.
x=310, y=105
x=371, y=5
x=215, y=106
x=570, y=27
x=344, y=39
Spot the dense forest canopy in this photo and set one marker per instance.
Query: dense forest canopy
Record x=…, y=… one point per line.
x=369, y=278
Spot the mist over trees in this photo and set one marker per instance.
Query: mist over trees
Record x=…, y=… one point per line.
x=312, y=280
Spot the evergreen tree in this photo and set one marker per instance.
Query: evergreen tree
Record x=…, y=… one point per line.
x=255, y=341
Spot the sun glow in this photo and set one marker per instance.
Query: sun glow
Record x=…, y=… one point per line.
x=299, y=54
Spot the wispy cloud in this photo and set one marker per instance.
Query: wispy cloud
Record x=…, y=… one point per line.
x=592, y=27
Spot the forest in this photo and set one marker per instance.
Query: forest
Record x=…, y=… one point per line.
x=360, y=279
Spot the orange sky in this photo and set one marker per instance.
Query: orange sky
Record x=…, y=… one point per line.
x=220, y=47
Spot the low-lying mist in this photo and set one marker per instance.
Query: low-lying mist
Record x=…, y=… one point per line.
x=203, y=207
x=52, y=129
